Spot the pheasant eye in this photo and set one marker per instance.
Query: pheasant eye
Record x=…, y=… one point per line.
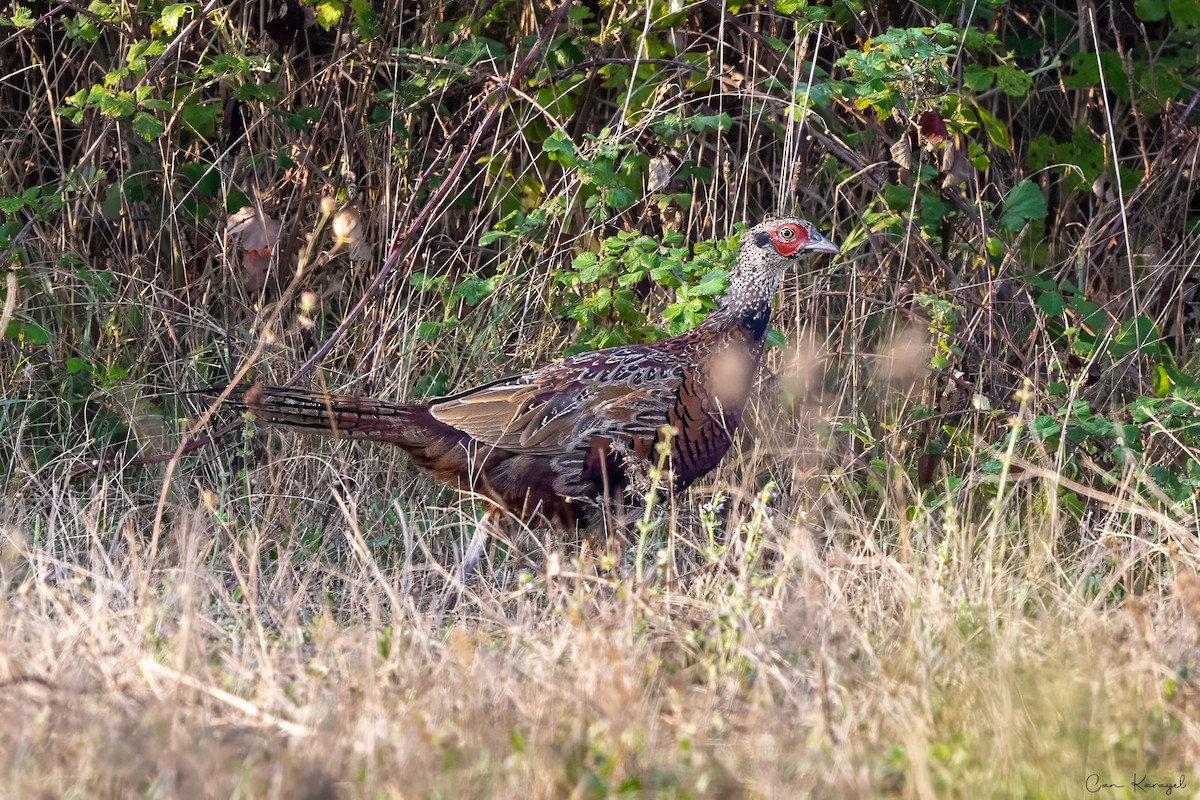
x=787, y=234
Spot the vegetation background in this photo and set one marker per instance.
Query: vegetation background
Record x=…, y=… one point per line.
x=954, y=554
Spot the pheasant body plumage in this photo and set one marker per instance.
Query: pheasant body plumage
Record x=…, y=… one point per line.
x=546, y=445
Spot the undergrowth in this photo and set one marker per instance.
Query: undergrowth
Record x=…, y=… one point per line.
x=954, y=554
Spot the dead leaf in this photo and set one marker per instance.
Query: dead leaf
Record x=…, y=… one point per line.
x=660, y=172
x=259, y=236
x=932, y=127
x=902, y=152
x=955, y=166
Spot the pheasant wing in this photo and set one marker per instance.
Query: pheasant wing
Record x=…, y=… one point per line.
x=623, y=393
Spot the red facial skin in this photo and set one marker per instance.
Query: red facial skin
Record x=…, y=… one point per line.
x=786, y=245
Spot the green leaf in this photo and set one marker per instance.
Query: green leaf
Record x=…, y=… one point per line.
x=329, y=13
x=142, y=50
x=1045, y=426
x=1024, y=203
x=201, y=118
x=304, y=118
x=148, y=126
x=1098, y=428
x=1184, y=13
x=205, y=178
x=265, y=92
x=559, y=147
x=1179, y=378
x=1051, y=303
x=626, y=309
x=713, y=283
x=427, y=331
x=996, y=131
x=474, y=290
x=172, y=15
x=1070, y=502
x=620, y=197
x=1085, y=71
x=1090, y=315
x=1150, y=10
x=1134, y=335
x=977, y=78
x=77, y=29
x=116, y=104
x=1012, y=81
x=30, y=332
x=1162, y=381
x=22, y=17
x=710, y=122
x=979, y=157
x=897, y=197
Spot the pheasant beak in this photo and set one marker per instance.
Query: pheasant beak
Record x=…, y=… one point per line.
x=822, y=246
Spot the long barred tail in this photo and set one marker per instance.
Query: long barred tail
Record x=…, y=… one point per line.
x=340, y=415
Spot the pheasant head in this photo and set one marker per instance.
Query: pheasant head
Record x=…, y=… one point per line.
x=767, y=251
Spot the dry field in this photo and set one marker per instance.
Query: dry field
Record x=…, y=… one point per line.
x=904, y=581
x=277, y=633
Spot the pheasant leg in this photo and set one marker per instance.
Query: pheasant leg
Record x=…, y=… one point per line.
x=487, y=527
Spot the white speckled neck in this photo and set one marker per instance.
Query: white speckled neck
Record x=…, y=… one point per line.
x=753, y=283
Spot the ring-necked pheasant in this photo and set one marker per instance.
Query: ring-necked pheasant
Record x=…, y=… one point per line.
x=547, y=444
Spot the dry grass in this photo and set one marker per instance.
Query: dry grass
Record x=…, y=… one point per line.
x=262, y=618
x=264, y=646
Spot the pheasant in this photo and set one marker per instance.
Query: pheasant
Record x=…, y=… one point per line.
x=546, y=446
